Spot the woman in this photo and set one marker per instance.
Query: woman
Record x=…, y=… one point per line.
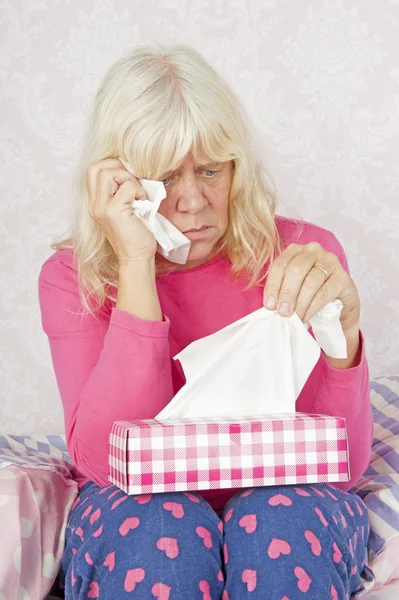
x=116, y=312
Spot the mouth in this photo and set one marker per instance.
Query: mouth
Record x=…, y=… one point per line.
x=198, y=234
x=204, y=228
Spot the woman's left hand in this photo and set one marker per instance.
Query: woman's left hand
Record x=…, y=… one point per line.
x=295, y=283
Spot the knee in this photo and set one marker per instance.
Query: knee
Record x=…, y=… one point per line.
x=273, y=502
x=111, y=510
x=320, y=505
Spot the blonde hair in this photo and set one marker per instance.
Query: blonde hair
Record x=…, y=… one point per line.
x=155, y=105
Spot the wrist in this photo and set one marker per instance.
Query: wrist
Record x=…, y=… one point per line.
x=137, y=290
x=137, y=270
x=140, y=263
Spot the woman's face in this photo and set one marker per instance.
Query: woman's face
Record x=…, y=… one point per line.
x=197, y=204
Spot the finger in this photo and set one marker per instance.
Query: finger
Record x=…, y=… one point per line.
x=276, y=275
x=295, y=274
x=313, y=281
x=93, y=171
x=110, y=181
x=121, y=201
x=328, y=291
x=129, y=191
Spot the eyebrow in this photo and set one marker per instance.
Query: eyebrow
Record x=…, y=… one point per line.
x=202, y=165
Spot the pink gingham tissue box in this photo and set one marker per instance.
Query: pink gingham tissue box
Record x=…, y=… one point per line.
x=151, y=456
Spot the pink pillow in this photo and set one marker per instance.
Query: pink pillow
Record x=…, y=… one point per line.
x=34, y=508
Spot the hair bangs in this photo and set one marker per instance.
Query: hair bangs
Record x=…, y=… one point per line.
x=160, y=140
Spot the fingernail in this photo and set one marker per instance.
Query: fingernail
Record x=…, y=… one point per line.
x=270, y=302
x=284, y=309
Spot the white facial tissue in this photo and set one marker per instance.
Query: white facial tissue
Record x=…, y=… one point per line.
x=172, y=243
x=257, y=365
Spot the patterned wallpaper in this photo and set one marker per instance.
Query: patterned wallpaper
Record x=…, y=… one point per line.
x=320, y=81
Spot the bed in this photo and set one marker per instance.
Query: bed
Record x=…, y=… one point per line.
x=388, y=592
x=38, y=489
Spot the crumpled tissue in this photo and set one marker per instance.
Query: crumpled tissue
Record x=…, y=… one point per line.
x=172, y=243
x=257, y=365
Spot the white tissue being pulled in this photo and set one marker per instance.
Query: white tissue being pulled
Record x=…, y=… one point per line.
x=257, y=365
x=172, y=243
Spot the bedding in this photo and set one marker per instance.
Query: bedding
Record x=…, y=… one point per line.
x=37, y=490
x=379, y=486
x=388, y=592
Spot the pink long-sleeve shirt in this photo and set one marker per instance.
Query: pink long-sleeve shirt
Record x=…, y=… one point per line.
x=119, y=367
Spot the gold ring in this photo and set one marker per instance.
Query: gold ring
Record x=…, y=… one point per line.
x=322, y=269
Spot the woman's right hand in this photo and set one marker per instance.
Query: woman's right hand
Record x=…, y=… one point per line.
x=111, y=190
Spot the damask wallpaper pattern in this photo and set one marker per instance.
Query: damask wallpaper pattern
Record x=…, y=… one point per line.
x=320, y=81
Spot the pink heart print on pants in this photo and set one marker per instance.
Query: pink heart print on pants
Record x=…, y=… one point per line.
x=281, y=542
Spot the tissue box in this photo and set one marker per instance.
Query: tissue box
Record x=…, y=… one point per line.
x=150, y=456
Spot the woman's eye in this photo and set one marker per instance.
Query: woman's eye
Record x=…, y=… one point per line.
x=167, y=179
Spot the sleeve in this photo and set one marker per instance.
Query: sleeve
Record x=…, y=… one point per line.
x=109, y=367
x=344, y=393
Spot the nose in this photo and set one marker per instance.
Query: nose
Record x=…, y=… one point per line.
x=191, y=198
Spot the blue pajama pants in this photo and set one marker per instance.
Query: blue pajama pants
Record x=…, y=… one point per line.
x=269, y=543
